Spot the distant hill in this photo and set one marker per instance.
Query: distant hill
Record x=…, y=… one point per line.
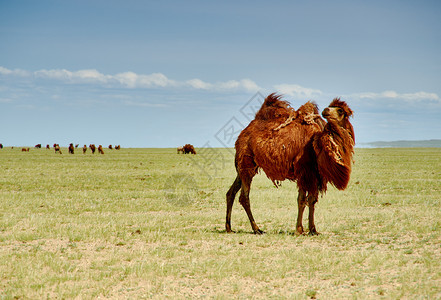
x=403, y=144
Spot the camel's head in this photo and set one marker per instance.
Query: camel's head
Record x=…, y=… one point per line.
x=337, y=112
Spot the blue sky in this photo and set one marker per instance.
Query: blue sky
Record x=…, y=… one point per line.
x=166, y=73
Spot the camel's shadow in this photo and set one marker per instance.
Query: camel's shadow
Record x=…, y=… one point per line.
x=269, y=232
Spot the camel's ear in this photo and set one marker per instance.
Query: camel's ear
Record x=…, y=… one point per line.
x=349, y=112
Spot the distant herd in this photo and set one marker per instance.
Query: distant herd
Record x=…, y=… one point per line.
x=71, y=148
x=186, y=149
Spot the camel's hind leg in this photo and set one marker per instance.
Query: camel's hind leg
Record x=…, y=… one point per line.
x=246, y=169
x=231, y=194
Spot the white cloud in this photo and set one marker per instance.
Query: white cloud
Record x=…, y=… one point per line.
x=244, y=84
x=128, y=79
x=90, y=75
x=199, y=84
x=298, y=91
x=155, y=80
x=132, y=80
x=411, y=97
x=421, y=96
x=250, y=85
x=54, y=74
x=16, y=72
x=81, y=76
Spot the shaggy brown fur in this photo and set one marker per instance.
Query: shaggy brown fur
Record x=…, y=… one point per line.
x=188, y=148
x=71, y=148
x=297, y=145
x=84, y=149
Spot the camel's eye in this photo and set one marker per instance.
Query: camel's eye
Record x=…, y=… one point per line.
x=340, y=111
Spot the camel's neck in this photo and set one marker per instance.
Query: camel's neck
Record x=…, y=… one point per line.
x=344, y=134
x=334, y=148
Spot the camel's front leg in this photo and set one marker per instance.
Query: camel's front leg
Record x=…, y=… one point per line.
x=312, y=200
x=301, y=203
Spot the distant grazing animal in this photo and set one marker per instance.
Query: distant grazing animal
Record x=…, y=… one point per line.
x=47, y=146
x=57, y=148
x=188, y=148
x=71, y=148
x=180, y=150
x=117, y=147
x=92, y=148
x=24, y=149
x=38, y=146
x=100, y=149
x=295, y=145
x=1, y=146
x=84, y=149
x=110, y=147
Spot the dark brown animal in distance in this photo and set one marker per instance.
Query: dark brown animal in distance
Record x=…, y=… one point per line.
x=117, y=147
x=57, y=148
x=38, y=146
x=71, y=148
x=92, y=148
x=188, y=148
x=297, y=145
x=100, y=149
x=84, y=149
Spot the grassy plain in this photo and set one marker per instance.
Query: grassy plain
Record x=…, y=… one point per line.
x=148, y=223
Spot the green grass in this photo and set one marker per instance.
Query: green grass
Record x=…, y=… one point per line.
x=148, y=223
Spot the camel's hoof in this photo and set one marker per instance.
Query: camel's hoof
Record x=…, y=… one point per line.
x=259, y=231
x=300, y=232
x=228, y=228
x=312, y=233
